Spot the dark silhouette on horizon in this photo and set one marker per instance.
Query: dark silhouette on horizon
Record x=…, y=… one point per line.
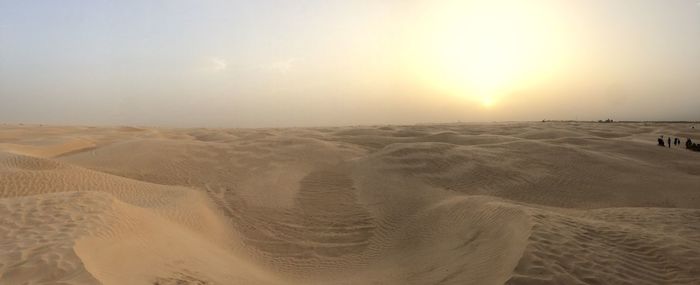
x=689, y=144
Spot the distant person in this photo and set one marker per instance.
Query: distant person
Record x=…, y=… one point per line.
x=669, y=142
x=689, y=144
x=661, y=141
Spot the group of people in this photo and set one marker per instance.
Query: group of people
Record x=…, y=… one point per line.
x=689, y=144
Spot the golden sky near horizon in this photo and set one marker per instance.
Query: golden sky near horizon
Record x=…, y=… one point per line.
x=305, y=63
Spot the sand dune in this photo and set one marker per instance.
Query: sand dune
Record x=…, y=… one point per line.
x=507, y=203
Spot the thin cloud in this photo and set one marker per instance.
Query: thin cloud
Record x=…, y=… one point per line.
x=283, y=66
x=210, y=64
x=218, y=64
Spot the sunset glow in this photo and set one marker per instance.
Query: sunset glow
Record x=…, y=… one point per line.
x=483, y=50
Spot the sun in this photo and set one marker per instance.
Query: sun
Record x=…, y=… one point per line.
x=483, y=50
x=487, y=101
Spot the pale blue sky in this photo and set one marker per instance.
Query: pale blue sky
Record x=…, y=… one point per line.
x=305, y=63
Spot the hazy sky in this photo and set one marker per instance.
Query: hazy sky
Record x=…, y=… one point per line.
x=311, y=63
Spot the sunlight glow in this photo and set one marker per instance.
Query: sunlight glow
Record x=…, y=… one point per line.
x=483, y=50
x=487, y=102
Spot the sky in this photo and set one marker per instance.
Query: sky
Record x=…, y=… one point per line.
x=321, y=63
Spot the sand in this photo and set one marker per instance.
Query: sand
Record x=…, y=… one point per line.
x=500, y=203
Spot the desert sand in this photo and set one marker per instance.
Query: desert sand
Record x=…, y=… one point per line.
x=499, y=203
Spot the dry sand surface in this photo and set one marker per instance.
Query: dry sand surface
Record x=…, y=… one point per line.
x=502, y=203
